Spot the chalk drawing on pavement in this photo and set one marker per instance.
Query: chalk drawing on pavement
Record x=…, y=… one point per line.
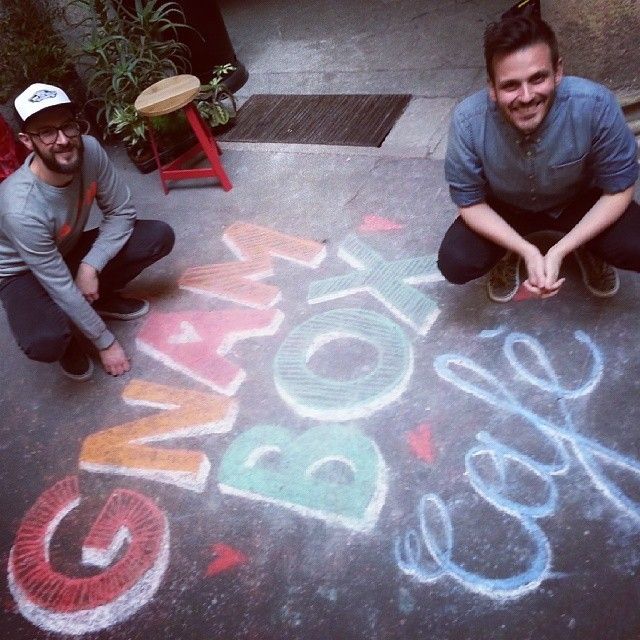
x=296, y=482
x=420, y=441
x=378, y=223
x=255, y=247
x=57, y=602
x=225, y=558
x=388, y=281
x=435, y=531
x=322, y=398
x=124, y=449
x=195, y=342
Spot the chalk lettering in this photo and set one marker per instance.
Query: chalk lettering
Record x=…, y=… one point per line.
x=122, y=449
x=57, y=602
x=388, y=281
x=270, y=464
x=321, y=398
x=561, y=435
x=254, y=246
x=195, y=342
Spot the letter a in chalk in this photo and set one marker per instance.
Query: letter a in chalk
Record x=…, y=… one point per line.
x=195, y=342
x=269, y=464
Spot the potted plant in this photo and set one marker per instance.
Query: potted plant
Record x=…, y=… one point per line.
x=32, y=51
x=126, y=47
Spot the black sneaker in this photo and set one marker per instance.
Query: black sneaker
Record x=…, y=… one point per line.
x=503, y=281
x=75, y=363
x=120, y=308
x=598, y=276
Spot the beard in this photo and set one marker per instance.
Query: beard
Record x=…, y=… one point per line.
x=49, y=159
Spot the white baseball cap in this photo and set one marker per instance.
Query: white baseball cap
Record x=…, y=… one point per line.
x=37, y=97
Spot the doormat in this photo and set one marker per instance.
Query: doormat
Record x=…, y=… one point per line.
x=341, y=119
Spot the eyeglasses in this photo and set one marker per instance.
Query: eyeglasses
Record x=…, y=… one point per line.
x=48, y=135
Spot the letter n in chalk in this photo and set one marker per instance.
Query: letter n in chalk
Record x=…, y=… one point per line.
x=269, y=464
x=195, y=342
x=125, y=449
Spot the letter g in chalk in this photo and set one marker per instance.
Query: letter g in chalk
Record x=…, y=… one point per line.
x=321, y=398
x=269, y=464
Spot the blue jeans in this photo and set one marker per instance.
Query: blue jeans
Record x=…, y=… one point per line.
x=41, y=329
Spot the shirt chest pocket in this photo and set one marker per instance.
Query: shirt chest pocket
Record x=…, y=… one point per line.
x=568, y=173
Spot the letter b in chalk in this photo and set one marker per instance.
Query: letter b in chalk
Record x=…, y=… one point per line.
x=269, y=464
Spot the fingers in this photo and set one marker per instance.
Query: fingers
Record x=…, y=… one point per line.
x=544, y=292
x=118, y=368
x=115, y=360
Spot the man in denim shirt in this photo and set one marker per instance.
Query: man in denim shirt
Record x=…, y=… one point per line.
x=538, y=151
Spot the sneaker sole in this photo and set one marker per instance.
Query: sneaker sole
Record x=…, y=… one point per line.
x=511, y=296
x=598, y=293
x=82, y=377
x=125, y=316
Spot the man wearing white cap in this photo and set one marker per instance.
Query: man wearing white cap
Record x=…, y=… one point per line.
x=55, y=277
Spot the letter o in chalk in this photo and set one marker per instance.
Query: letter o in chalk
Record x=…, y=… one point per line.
x=321, y=398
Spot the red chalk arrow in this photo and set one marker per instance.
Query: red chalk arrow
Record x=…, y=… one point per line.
x=421, y=443
x=226, y=557
x=378, y=223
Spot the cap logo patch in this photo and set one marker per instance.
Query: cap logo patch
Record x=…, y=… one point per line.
x=42, y=94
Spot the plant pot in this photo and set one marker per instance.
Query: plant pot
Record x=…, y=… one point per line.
x=169, y=149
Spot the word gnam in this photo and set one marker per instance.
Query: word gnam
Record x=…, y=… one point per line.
x=435, y=525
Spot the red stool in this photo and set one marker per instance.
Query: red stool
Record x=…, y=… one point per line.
x=167, y=96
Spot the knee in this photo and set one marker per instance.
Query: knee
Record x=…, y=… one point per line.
x=47, y=347
x=166, y=238
x=156, y=236
x=454, y=265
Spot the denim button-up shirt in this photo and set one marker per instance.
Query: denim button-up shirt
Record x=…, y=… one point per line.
x=583, y=142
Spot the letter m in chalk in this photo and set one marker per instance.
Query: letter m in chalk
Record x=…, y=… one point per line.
x=269, y=464
x=388, y=281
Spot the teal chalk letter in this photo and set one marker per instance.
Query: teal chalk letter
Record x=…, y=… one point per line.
x=270, y=464
x=321, y=398
x=388, y=281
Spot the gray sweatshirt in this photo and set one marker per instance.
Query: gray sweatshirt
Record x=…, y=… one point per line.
x=39, y=224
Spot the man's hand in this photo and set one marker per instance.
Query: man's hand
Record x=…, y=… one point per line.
x=543, y=272
x=114, y=359
x=87, y=282
x=534, y=263
x=552, y=262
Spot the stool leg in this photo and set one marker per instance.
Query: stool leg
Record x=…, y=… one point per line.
x=208, y=144
x=154, y=146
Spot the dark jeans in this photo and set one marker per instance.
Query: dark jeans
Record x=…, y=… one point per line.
x=465, y=255
x=41, y=329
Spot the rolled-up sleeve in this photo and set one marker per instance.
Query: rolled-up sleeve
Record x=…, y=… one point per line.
x=614, y=150
x=463, y=168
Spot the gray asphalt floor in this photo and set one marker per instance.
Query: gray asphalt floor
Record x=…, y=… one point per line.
x=341, y=446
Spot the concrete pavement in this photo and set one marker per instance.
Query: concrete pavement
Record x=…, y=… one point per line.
x=340, y=445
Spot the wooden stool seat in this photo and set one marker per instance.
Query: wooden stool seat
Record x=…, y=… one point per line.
x=169, y=95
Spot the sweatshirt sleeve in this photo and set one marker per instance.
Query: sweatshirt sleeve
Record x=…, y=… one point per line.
x=36, y=247
x=114, y=199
